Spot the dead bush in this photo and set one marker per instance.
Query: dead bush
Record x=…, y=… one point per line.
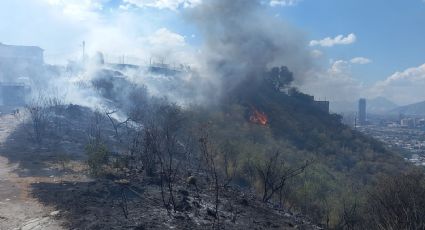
x=397, y=202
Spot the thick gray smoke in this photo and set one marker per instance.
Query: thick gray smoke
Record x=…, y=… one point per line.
x=242, y=40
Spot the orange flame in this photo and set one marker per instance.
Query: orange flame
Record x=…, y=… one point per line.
x=258, y=117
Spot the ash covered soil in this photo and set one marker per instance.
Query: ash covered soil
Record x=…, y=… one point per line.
x=40, y=190
x=98, y=205
x=18, y=209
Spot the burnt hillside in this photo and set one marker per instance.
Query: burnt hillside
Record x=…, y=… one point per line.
x=266, y=157
x=345, y=164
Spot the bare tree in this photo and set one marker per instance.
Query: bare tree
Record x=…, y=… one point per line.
x=230, y=163
x=159, y=146
x=43, y=112
x=38, y=117
x=209, y=154
x=96, y=148
x=94, y=131
x=38, y=121
x=274, y=174
x=249, y=170
x=116, y=124
x=349, y=218
x=170, y=124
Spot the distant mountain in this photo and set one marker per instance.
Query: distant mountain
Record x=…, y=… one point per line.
x=380, y=105
x=412, y=109
x=375, y=106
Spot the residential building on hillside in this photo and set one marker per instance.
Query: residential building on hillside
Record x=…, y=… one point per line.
x=20, y=61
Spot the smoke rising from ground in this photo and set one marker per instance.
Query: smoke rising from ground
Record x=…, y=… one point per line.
x=241, y=40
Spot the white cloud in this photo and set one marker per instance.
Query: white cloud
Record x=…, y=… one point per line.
x=411, y=74
x=170, y=47
x=338, y=40
x=60, y=27
x=316, y=53
x=164, y=4
x=360, y=60
x=339, y=67
x=335, y=83
x=165, y=37
x=403, y=87
x=284, y=2
x=161, y=45
x=78, y=9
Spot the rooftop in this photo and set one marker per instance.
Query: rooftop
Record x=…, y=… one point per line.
x=21, y=52
x=2, y=46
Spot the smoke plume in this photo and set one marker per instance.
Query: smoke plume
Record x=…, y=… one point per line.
x=242, y=41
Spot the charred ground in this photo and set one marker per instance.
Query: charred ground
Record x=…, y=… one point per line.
x=135, y=166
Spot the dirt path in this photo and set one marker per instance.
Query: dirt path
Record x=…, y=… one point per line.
x=18, y=210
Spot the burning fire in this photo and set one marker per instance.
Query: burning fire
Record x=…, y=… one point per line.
x=258, y=117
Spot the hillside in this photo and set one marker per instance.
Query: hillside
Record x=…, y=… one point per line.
x=264, y=157
x=380, y=105
x=345, y=161
x=57, y=176
x=412, y=109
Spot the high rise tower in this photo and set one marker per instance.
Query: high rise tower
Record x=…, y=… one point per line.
x=362, y=111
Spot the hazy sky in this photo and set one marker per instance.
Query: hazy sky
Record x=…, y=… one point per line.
x=361, y=48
